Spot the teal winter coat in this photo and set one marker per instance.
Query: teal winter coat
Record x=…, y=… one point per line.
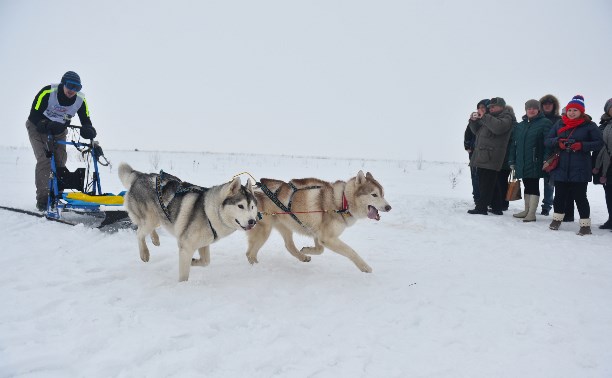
x=527, y=146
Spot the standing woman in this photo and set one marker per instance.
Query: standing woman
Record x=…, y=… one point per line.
x=575, y=136
x=602, y=172
x=527, y=156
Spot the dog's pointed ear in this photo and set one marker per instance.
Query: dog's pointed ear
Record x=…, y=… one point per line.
x=360, y=178
x=369, y=176
x=249, y=186
x=234, y=186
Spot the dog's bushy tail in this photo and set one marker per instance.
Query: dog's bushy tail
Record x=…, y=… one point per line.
x=126, y=175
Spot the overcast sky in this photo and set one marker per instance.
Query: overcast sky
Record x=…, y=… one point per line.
x=373, y=79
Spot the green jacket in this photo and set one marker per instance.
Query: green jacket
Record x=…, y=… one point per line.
x=527, y=146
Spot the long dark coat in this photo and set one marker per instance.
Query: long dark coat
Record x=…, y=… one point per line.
x=527, y=146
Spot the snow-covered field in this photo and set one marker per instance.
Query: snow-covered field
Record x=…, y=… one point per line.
x=451, y=295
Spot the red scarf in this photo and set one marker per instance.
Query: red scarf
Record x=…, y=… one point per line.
x=570, y=124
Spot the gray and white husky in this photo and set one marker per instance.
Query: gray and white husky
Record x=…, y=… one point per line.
x=320, y=209
x=195, y=216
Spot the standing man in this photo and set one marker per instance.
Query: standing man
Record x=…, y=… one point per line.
x=51, y=111
x=492, y=132
x=550, y=108
x=469, y=142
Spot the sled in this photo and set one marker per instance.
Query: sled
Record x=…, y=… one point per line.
x=85, y=202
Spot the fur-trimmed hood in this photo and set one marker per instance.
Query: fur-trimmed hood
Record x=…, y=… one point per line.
x=555, y=101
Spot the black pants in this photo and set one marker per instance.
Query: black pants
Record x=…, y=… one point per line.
x=578, y=190
x=608, y=190
x=489, y=190
x=502, y=188
x=532, y=186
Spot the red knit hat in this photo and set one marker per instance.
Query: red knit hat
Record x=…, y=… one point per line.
x=577, y=102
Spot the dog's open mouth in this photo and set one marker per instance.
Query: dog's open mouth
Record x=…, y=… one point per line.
x=248, y=226
x=373, y=213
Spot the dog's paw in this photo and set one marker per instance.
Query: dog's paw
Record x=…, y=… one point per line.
x=365, y=268
x=199, y=262
x=155, y=238
x=305, y=259
x=252, y=259
x=144, y=256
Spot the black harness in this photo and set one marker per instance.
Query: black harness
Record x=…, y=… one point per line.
x=273, y=196
x=183, y=188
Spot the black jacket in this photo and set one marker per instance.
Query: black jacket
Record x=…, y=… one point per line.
x=36, y=115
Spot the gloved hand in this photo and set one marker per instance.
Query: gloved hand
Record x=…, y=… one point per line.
x=41, y=126
x=56, y=128
x=576, y=146
x=88, y=132
x=562, y=143
x=603, y=179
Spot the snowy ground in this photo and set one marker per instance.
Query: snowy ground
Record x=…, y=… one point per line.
x=451, y=295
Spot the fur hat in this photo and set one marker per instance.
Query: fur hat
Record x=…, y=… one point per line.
x=497, y=101
x=607, y=106
x=534, y=104
x=550, y=99
x=577, y=102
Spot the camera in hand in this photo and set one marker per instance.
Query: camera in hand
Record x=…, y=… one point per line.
x=569, y=142
x=475, y=115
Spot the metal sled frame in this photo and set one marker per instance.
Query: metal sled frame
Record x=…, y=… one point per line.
x=54, y=206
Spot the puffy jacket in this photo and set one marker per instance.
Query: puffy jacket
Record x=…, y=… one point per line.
x=575, y=166
x=527, y=146
x=602, y=159
x=492, y=136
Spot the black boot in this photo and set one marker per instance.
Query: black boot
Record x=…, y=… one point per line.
x=477, y=211
x=607, y=225
x=41, y=206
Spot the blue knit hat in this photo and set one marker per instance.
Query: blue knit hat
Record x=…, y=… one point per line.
x=72, y=80
x=577, y=102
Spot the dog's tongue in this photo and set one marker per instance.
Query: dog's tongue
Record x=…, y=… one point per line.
x=373, y=213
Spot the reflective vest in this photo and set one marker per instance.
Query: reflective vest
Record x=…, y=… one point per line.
x=55, y=111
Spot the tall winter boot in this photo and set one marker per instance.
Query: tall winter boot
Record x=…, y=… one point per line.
x=585, y=227
x=533, y=207
x=523, y=213
x=556, y=222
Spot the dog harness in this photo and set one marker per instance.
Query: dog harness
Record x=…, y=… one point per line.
x=273, y=196
x=184, y=188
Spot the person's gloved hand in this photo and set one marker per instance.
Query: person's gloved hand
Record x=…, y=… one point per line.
x=562, y=143
x=41, y=126
x=88, y=132
x=56, y=128
x=603, y=179
x=576, y=146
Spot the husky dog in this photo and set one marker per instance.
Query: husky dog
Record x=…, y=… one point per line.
x=196, y=216
x=319, y=209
